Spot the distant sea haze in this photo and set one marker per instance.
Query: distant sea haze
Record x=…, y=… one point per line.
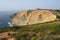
x=5, y=18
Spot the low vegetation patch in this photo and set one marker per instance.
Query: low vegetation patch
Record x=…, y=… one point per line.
x=43, y=31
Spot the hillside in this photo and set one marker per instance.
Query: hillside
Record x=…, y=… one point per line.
x=40, y=31
x=28, y=17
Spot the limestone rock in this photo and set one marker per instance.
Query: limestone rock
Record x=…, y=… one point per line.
x=28, y=17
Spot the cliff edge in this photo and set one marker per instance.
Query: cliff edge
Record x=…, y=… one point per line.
x=28, y=17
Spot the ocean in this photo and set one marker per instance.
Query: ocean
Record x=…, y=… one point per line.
x=5, y=17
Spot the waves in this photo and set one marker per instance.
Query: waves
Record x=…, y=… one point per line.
x=5, y=18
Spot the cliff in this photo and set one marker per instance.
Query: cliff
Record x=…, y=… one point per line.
x=50, y=30
x=28, y=17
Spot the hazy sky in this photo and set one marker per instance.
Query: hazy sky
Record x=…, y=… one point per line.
x=29, y=4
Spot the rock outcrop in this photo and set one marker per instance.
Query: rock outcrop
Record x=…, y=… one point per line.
x=28, y=17
x=7, y=36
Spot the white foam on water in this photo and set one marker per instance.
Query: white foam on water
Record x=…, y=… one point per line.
x=10, y=24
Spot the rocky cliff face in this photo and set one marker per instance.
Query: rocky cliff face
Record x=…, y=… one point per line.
x=28, y=17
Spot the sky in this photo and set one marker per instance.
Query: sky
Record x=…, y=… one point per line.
x=29, y=4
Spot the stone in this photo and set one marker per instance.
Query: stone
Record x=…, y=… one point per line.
x=28, y=17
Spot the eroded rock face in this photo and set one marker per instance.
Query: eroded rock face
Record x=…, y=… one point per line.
x=26, y=17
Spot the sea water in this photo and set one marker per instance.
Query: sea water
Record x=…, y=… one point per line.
x=5, y=18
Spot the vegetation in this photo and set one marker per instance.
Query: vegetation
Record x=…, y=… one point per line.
x=57, y=11
x=43, y=31
x=58, y=17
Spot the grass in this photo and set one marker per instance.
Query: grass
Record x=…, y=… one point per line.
x=40, y=31
x=34, y=32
